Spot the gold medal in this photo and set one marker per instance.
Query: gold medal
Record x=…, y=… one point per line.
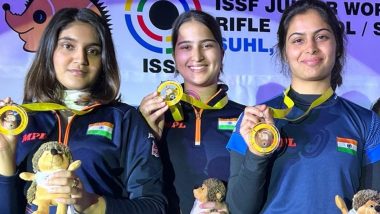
x=13, y=120
x=171, y=92
x=265, y=138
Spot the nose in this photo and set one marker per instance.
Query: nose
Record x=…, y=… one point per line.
x=197, y=54
x=377, y=208
x=80, y=57
x=53, y=151
x=312, y=47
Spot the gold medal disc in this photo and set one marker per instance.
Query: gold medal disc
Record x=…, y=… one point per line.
x=171, y=92
x=265, y=138
x=13, y=120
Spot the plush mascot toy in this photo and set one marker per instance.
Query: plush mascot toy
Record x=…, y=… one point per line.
x=50, y=157
x=364, y=202
x=212, y=189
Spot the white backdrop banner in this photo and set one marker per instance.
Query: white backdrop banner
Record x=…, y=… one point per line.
x=142, y=35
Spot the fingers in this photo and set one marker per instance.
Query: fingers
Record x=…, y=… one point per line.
x=213, y=207
x=8, y=122
x=6, y=101
x=252, y=116
x=152, y=106
x=267, y=115
x=8, y=118
x=67, y=185
x=256, y=114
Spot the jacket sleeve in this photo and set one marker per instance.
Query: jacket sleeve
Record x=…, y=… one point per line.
x=12, y=201
x=370, y=178
x=142, y=176
x=247, y=182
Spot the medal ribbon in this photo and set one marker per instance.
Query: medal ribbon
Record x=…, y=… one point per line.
x=21, y=110
x=177, y=113
x=281, y=113
x=50, y=107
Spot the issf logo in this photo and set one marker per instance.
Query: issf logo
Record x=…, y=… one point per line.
x=150, y=22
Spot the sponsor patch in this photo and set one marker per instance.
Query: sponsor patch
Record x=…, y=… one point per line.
x=33, y=136
x=288, y=142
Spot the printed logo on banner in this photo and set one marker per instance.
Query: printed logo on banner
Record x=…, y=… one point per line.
x=150, y=22
x=32, y=21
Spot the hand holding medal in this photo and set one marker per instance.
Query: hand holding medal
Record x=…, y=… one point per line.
x=258, y=128
x=172, y=92
x=13, y=118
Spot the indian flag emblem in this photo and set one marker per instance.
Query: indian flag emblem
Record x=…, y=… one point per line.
x=103, y=129
x=347, y=145
x=227, y=124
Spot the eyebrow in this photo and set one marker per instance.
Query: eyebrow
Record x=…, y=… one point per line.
x=187, y=41
x=66, y=38
x=319, y=30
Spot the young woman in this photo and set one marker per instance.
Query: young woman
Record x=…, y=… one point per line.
x=329, y=145
x=75, y=66
x=194, y=149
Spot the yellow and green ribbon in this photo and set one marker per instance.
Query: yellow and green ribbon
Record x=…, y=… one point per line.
x=282, y=113
x=21, y=111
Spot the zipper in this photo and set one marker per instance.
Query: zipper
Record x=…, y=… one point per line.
x=198, y=121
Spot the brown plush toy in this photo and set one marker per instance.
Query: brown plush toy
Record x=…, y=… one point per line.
x=212, y=189
x=364, y=202
x=50, y=157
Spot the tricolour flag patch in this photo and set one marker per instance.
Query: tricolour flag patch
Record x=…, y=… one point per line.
x=347, y=145
x=102, y=129
x=227, y=123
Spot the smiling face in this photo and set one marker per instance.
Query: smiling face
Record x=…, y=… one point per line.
x=77, y=56
x=197, y=55
x=310, y=50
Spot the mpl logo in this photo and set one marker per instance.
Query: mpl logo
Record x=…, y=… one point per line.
x=150, y=22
